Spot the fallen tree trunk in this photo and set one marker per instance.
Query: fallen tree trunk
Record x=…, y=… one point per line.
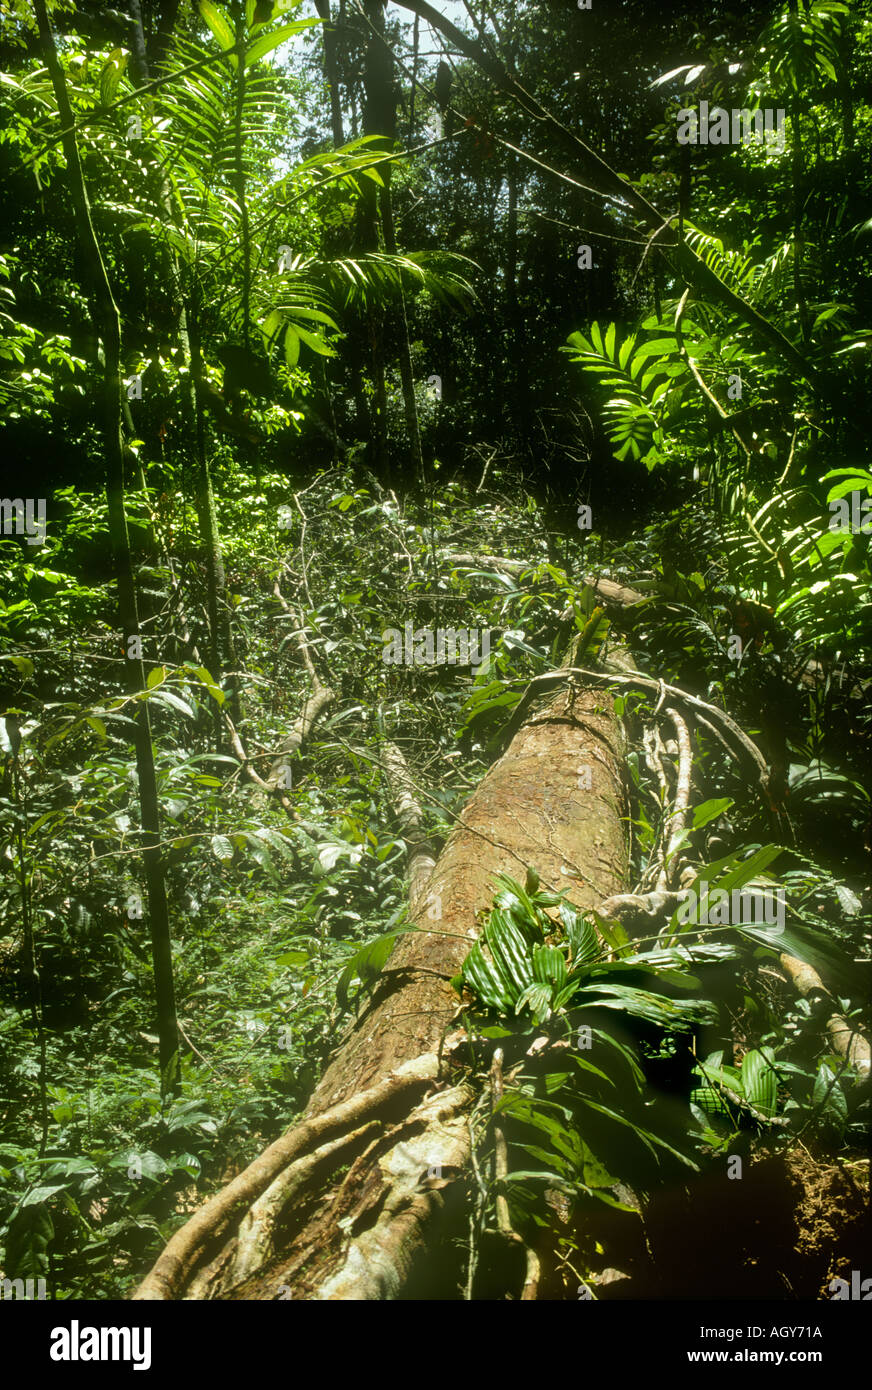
x=373, y=1184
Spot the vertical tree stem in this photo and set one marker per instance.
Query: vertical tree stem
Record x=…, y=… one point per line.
x=109, y=328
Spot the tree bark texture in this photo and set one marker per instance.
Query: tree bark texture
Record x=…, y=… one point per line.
x=365, y=1196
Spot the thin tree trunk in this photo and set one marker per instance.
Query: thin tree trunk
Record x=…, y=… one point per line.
x=613, y=186
x=380, y=69
x=407, y=377
x=109, y=326
x=797, y=181
x=415, y=46
x=331, y=71
x=517, y=373
x=218, y=603
x=221, y=657
x=162, y=31
x=376, y=103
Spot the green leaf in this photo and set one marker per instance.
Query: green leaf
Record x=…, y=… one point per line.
x=267, y=42
x=293, y=958
x=828, y=1095
x=222, y=848
x=549, y=966
x=538, y=997
x=678, y=1014
x=292, y=347
x=166, y=697
x=710, y=810
x=612, y=933
x=760, y=1082
x=219, y=23
x=366, y=965
x=645, y=1135
x=27, y=1240
x=313, y=341
x=258, y=850
x=584, y=943
x=211, y=684
x=111, y=75
x=483, y=979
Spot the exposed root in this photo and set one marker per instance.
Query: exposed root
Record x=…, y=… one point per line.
x=682, y=797
x=846, y=1041
x=255, y=1241
x=191, y=1245
x=378, y=1262
x=640, y=913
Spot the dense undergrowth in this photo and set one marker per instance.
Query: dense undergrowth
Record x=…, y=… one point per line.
x=271, y=904
x=318, y=406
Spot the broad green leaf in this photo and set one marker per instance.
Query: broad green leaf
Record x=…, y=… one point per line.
x=219, y=23
x=267, y=42
x=710, y=810
x=167, y=697
x=28, y=1237
x=292, y=347
x=828, y=1096
x=222, y=848
x=313, y=341
x=111, y=75
x=760, y=1082
x=366, y=965
x=293, y=958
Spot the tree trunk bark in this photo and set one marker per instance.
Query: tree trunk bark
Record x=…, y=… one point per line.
x=377, y=114
x=109, y=326
x=217, y=598
x=331, y=71
x=382, y=116
x=370, y=1189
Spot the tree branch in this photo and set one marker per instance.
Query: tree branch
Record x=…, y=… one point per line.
x=611, y=184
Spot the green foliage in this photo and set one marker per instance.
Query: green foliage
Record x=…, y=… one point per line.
x=522, y=970
x=712, y=462
x=632, y=419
